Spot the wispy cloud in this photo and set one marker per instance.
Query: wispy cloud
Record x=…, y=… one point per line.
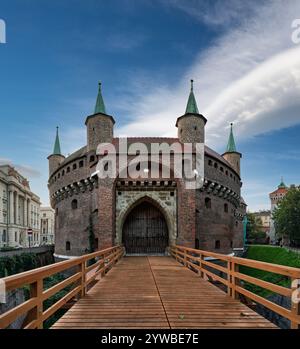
x=251, y=76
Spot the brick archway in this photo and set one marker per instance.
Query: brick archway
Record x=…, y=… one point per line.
x=160, y=205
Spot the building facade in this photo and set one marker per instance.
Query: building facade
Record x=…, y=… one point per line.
x=47, y=225
x=263, y=219
x=19, y=210
x=146, y=215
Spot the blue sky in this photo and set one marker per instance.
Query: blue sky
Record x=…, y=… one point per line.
x=240, y=54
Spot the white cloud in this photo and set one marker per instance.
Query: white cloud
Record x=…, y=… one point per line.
x=25, y=170
x=251, y=75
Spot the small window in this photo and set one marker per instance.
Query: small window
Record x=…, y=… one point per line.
x=92, y=158
x=226, y=208
x=68, y=169
x=56, y=211
x=81, y=163
x=216, y=165
x=74, y=166
x=197, y=244
x=172, y=193
x=231, y=244
x=74, y=204
x=217, y=244
x=63, y=173
x=221, y=169
x=195, y=128
x=58, y=176
x=207, y=202
x=210, y=163
x=226, y=172
x=68, y=246
x=119, y=193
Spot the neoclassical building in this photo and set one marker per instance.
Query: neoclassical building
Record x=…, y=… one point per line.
x=146, y=215
x=19, y=210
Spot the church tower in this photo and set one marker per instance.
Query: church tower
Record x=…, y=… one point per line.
x=99, y=125
x=231, y=155
x=56, y=158
x=191, y=125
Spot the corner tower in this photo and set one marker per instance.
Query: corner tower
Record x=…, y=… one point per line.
x=231, y=155
x=56, y=158
x=191, y=125
x=99, y=125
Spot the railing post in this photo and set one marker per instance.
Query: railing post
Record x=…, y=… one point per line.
x=200, y=271
x=185, y=257
x=229, y=277
x=234, y=280
x=36, y=291
x=295, y=303
x=83, y=278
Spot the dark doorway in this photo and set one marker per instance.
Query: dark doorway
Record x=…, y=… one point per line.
x=145, y=230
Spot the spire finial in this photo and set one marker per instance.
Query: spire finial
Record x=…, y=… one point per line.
x=191, y=107
x=231, y=143
x=56, y=150
x=99, y=107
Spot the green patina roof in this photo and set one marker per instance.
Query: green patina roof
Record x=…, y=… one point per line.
x=99, y=107
x=282, y=184
x=56, y=150
x=191, y=106
x=231, y=143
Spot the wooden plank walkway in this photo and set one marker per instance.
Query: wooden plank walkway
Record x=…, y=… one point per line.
x=157, y=292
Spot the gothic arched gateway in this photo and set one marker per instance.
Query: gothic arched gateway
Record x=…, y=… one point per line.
x=145, y=230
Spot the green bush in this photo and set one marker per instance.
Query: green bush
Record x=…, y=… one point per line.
x=17, y=264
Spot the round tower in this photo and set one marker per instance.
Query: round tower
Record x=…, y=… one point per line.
x=56, y=158
x=100, y=126
x=231, y=155
x=191, y=125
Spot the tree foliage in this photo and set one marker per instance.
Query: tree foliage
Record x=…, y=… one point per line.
x=287, y=217
x=254, y=233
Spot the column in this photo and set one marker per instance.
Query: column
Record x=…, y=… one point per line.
x=25, y=212
x=11, y=207
x=17, y=208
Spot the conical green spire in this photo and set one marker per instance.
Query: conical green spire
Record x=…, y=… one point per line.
x=231, y=143
x=99, y=107
x=191, y=107
x=56, y=150
x=282, y=185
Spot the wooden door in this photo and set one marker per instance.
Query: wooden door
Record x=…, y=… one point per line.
x=145, y=230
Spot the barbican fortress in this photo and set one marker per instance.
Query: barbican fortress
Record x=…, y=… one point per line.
x=145, y=215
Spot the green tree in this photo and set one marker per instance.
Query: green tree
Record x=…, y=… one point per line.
x=253, y=229
x=287, y=217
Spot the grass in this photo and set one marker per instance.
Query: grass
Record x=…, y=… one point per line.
x=269, y=254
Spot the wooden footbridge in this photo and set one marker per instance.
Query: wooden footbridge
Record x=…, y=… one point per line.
x=107, y=290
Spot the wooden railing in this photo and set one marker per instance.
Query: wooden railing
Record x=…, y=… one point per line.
x=82, y=276
x=228, y=272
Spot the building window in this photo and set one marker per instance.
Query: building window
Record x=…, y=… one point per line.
x=68, y=246
x=81, y=163
x=92, y=158
x=226, y=172
x=4, y=236
x=217, y=244
x=16, y=236
x=221, y=169
x=197, y=244
x=207, y=202
x=226, y=208
x=216, y=165
x=210, y=163
x=231, y=244
x=68, y=169
x=74, y=166
x=74, y=204
x=63, y=173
